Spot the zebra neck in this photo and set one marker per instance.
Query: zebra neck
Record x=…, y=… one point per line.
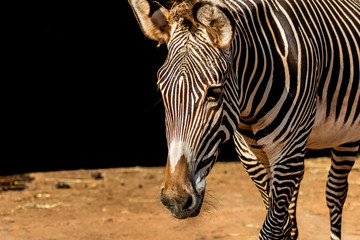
x=254, y=61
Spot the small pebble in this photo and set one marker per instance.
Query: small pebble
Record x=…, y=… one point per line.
x=109, y=220
x=96, y=175
x=62, y=185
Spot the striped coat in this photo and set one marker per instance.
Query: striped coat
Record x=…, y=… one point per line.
x=277, y=76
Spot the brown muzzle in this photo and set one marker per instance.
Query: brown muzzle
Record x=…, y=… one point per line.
x=178, y=193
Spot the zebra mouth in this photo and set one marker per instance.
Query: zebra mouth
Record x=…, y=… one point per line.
x=196, y=212
x=177, y=213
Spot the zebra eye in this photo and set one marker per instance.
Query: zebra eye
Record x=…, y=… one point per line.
x=214, y=93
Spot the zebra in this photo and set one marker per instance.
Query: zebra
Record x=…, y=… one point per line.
x=277, y=76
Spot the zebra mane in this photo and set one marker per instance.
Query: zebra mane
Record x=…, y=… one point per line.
x=182, y=9
x=177, y=9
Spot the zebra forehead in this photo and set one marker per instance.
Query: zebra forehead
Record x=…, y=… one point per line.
x=192, y=64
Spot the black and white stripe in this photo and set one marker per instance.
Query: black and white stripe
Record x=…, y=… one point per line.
x=343, y=158
x=306, y=56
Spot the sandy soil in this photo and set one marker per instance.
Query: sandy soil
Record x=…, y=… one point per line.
x=125, y=204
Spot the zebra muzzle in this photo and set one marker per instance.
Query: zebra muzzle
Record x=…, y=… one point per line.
x=179, y=193
x=184, y=205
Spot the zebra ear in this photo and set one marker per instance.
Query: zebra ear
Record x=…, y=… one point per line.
x=218, y=22
x=153, y=19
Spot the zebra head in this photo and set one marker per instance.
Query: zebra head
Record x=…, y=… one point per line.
x=193, y=83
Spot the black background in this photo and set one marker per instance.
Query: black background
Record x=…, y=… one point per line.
x=80, y=90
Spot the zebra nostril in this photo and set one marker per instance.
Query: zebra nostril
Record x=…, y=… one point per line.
x=189, y=202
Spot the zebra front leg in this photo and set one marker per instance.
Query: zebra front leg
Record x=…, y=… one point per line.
x=258, y=175
x=286, y=177
x=252, y=157
x=343, y=158
x=292, y=214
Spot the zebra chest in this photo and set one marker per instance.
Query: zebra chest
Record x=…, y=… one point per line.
x=249, y=151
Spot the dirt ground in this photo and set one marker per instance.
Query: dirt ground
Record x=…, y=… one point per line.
x=124, y=204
